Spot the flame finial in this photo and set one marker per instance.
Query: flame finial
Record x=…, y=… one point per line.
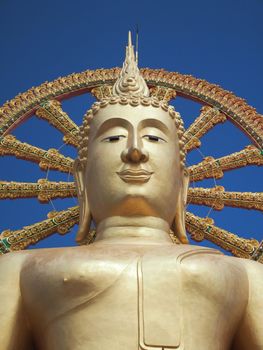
x=130, y=81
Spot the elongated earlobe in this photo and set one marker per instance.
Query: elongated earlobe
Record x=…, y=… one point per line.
x=178, y=225
x=84, y=212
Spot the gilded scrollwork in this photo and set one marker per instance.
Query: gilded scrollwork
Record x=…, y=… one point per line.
x=236, y=109
x=62, y=222
x=163, y=93
x=44, y=190
x=52, y=112
x=217, y=198
x=214, y=168
x=207, y=119
x=43, y=101
x=102, y=91
x=50, y=159
x=201, y=229
x=57, y=222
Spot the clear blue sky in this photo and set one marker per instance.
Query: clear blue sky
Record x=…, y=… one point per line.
x=220, y=41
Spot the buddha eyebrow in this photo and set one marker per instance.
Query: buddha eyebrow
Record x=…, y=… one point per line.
x=111, y=123
x=151, y=122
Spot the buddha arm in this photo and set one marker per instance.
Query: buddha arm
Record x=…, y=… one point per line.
x=14, y=331
x=250, y=334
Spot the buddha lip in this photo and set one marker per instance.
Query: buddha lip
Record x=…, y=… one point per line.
x=132, y=175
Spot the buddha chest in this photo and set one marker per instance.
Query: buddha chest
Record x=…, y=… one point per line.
x=116, y=297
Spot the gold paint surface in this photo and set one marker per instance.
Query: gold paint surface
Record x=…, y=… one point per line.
x=207, y=119
x=132, y=288
x=52, y=112
x=214, y=168
x=50, y=159
x=44, y=190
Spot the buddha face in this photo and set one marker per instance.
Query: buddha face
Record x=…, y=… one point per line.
x=133, y=166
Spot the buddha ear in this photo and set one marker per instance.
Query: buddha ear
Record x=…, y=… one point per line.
x=84, y=212
x=178, y=225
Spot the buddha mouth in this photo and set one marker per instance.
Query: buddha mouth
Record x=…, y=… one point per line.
x=132, y=175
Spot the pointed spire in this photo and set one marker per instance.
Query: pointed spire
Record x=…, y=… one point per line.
x=130, y=81
x=129, y=39
x=137, y=44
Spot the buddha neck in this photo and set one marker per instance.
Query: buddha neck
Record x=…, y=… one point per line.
x=133, y=230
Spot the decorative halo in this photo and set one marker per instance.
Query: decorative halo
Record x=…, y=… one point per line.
x=218, y=106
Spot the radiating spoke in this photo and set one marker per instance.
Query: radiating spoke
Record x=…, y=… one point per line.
x=200, y=229
x=236, y=109
x=101, y=91
x=44, y=190
x=58, y=222
x=214, y=168
x=23, y=105
x=217, y=198
x=51, y=111
x=50, y=159
x=208, y=118
x=163, y=93
x=163, y=85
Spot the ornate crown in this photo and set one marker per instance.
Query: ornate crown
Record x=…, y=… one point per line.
x=131, y=83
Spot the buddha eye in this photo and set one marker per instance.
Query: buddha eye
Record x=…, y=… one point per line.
x=114, y=138
x=153, y=138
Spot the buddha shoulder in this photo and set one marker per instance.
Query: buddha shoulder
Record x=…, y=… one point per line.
x=199, y=263
x=209, y=266
x=11, y=264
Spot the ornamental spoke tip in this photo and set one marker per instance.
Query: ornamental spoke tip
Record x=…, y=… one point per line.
x=43, y=189
x=204, y=228
x=47, y=159
x=52, y=111
x=217, y=198
x=57, y=222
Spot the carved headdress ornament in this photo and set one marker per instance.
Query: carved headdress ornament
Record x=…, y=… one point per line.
x=130, y=81
x=130, y=88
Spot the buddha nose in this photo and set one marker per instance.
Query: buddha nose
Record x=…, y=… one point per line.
x=135, y=155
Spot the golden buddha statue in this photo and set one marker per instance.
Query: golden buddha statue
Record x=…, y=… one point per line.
x=133, y=288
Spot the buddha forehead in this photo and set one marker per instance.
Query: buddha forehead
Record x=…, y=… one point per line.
x=134, y=117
